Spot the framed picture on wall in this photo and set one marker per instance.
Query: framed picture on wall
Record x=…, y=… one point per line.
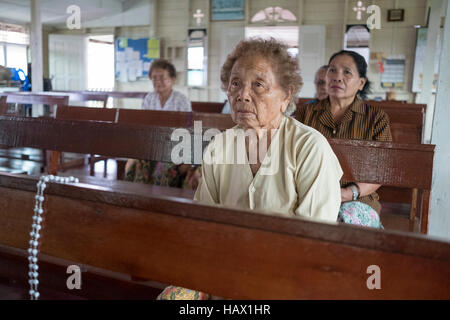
x=396, y=14
x=227, y=10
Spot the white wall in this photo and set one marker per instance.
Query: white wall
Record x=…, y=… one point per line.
x=392, y=38
x=174, y=17
x=440, y=195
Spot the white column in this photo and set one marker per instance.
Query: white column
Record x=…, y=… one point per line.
x=154, y=18
x=300, y=12
x=36, y=53
x=426, y=96
x=439, y=220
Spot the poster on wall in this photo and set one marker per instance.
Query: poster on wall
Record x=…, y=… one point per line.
x=393, y=75
x=421, y=47
x=227, y=10
x=133, y=57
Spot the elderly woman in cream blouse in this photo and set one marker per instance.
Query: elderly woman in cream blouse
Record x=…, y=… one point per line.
x=268, y=161
x=286, y=167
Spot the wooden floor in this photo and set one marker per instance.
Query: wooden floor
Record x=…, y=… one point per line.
x=394, y=216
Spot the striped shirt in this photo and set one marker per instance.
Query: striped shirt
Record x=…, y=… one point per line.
x=360, y=122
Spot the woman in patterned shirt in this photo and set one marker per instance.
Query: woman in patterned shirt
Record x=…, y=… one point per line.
x=345, y=114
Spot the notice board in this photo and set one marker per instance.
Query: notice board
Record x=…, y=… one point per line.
x=134, y=56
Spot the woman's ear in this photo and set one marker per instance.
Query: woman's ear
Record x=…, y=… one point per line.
x=363, y=83
x=288, y=98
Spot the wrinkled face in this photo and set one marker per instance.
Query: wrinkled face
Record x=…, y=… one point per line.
x=343, y=78
x=161, y=80
x=256, y=99
x=321, y=84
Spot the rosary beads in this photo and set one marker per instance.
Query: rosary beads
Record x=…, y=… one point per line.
x=36, y=228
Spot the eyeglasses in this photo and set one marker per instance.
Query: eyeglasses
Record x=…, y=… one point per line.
x=160, y=78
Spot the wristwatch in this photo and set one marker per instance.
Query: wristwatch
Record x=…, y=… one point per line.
x=355, y=190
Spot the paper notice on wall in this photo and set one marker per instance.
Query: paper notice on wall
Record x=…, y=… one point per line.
x=131, y=71
x=120, y=56
x=136, y=55
x=128, y=54
x=123, y=42
x=147, y=66
x=122, y=71
x=153, y=48
x=139, y=68
x=394, y=72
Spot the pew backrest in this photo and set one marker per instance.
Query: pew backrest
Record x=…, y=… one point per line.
x=3, y=105
x=175, y=119
x=85, y=113
x=156, y=118
x=113, y=94
x=209, y=107
x=389, y=164
x=138, y=233
x=84, y=97
x=394, y=164
x=31, y=98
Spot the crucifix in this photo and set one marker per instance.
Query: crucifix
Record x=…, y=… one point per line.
x=198, y=16
x=358, y=9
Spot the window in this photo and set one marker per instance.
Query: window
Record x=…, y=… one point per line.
x=274, y=15
x=16, y=57
x=196, y=58
x=2, y=55
x=357, y=38
x=100, y=61
x=11, y=33
x=14, y=40
x=286, y=34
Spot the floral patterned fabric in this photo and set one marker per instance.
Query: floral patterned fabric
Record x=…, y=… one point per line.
x=179, y=293
x=359, y=213
x=155, y=173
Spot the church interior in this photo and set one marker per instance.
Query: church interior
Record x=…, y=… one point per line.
x=97, y=98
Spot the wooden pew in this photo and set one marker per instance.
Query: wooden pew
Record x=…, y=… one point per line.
x=175, y=119
x=155, y=237
x=129, y=94
x=407, y=121
x=131, y=231
x=3, y=105
x=87, y=114
x=28, y=98
x=210, y=107
x=32, y=98
x=113, y=94
x=395, y=165
x=81, y=96
x=222, y=122
x=389, y=195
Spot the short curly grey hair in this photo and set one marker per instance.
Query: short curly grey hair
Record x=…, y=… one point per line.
x=285, y=66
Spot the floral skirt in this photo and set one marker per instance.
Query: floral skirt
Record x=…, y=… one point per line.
x=155, y=173
x=180, y=293
x=359, y=213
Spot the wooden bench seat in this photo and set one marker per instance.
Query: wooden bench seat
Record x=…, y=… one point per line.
x=132, y=230
x=230, y=253
x=395, y=165
x=33, y=98
x=209, y=107
x=186, y=120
